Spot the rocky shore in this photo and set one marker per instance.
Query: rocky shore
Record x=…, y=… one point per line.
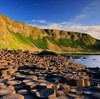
x=24, y=75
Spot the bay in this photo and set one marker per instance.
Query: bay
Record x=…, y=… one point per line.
x=88, y=60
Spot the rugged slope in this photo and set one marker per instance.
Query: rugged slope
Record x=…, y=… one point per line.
x=17, y=35
x=14, y=35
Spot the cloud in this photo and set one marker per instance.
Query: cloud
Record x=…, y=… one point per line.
x=77, y=23
x=33, y=21
x=42, y=21
x=37, y=22
x=81, y=16
x=94, y=31
x=88, y=12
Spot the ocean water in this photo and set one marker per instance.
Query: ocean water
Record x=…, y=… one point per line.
x=88, y=60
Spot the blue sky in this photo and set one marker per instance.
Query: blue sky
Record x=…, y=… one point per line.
x=74, y=15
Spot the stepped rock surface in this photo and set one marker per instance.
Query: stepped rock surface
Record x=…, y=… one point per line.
x=47, y=75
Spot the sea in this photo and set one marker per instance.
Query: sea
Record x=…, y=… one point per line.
x=88, y=60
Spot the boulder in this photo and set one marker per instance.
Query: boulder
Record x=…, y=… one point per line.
x=59, y=97
x=12, y=96
x=6, y=91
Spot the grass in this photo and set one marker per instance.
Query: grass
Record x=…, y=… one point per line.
x=52, y=40
x=22, y=39
x=40, y=42
x=65, y=42
x=82, y=53
x=19, y=40
x=86, y=42
x=10, y=43
x=77, y=52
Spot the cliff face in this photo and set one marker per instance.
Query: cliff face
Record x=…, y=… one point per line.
x=17, y=35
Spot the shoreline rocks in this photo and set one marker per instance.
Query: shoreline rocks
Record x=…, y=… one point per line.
x=24, y=73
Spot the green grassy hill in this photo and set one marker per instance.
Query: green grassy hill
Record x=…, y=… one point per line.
x=18, y=35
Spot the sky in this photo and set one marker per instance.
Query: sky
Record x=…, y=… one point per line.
x=71, y=15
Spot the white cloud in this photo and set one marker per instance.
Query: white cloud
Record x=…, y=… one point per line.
x=74, y=25
x=37, y=21
x=91, y=10
x=63, y=23
x=81, y=16
x=94, y=31
x=33, y=21
x=42, y=21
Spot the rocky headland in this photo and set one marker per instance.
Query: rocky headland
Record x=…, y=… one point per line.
x=20, y=36
x=46, y=75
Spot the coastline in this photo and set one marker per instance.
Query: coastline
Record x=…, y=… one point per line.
x=43, y=71
x=81, y=53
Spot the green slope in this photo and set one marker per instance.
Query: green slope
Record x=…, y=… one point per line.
x=17, y=35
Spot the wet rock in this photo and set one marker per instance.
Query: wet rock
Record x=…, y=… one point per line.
x=12, y=96
x=45, y=93
x=6, y=91
x=80, y=83
x=47, y=53
x=8, y=72
x=33, y=91
x=14, y=82
x=2, y=85
x=31, y=84
x=29, y=97
x=96, y=95
x=59, y=97
x=47, y=76
x=87, y=83
x=32, y=77
x=22, y=92
x=19, y=86
x=65, y=88
x=72, y=95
